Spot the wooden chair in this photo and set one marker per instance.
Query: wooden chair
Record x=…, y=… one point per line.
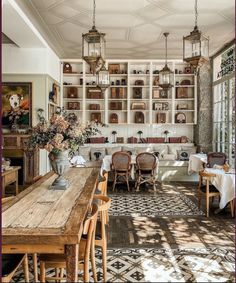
x=11, y=262
x=104, y=204
x=59, y=261
x=35, y=256
x=215, y=158
x=121, y=164
x=146, y=164
x=208, y=190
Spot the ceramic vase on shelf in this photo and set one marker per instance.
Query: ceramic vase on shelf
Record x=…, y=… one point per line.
x=60, y=164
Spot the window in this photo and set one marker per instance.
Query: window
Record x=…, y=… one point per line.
x=224, y=106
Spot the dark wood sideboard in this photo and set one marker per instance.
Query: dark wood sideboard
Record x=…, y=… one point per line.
x=15, y=148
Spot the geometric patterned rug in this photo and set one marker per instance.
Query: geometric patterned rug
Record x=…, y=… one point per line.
x=163, y=265
x=152, y=205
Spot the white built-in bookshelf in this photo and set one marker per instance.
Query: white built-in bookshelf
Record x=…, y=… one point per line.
x=124, y=79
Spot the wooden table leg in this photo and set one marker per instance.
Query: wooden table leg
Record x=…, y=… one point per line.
x=72, y=263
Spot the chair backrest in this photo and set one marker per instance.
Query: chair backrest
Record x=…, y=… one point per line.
x=103, y=206
x=121, y=161
x=89, y=228
x=216, y=158
x=146, y=161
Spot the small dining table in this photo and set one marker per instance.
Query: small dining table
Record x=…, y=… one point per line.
x=224, y=183
x=107, y=161
x=43, y=220
x=196, y=162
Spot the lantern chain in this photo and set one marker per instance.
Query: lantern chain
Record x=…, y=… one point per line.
x=94, y=8
x=196, y=13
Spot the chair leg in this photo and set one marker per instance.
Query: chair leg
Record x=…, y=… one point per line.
x=114, y=182
x=138, y=184
x=127, y=181
x=86, y=271
x=57, y=273
x=42, y=272
x=61, y=273
x=199, y=200
x=207, y=206
x=232, y=207
x=35, y=263
x=92, y=255
x=154, y=184
x=104, y=261
x=26, y=268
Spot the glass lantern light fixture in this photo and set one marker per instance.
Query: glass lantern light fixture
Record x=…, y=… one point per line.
x=93, y=46
x=166, y=75
x=103, y=78
x=195, y=45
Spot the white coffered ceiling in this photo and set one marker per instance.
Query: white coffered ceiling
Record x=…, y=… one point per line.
x=134, y=28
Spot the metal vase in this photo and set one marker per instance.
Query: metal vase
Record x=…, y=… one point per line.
x=60, y=164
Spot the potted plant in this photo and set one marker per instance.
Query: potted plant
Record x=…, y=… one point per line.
x=114, y=133
x=61, y=136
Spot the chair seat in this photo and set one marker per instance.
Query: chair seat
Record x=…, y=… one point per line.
x=146, y=172
x=10, y=263
x=212, y=189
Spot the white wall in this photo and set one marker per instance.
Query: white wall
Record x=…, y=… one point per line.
x=17, y=60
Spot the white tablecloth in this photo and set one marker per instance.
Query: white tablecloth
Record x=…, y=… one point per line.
x=106, y=165
x=196, y=162
x=225, y=184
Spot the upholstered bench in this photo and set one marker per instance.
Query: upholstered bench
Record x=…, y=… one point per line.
x=170, y=167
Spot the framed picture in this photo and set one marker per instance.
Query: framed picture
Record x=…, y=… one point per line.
x=17, y=104
x=157, y=106
x=156, y=93
x=54, y=93
x=161, y=118
x=180, y=118
x=51, y=110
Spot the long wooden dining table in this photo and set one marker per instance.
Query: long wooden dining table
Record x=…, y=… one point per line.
x=43, y=220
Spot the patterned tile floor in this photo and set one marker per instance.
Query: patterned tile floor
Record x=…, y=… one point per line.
x=164, y=237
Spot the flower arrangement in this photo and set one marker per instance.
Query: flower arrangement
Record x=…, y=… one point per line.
x=62, y=132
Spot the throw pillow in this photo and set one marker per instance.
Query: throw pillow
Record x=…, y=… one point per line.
x=159, y=151
x=169, y=157
x=192, y=149
x=97, y=153
x=111, y=150
x=172, y=149
x=183, y=154
x=84, y=151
